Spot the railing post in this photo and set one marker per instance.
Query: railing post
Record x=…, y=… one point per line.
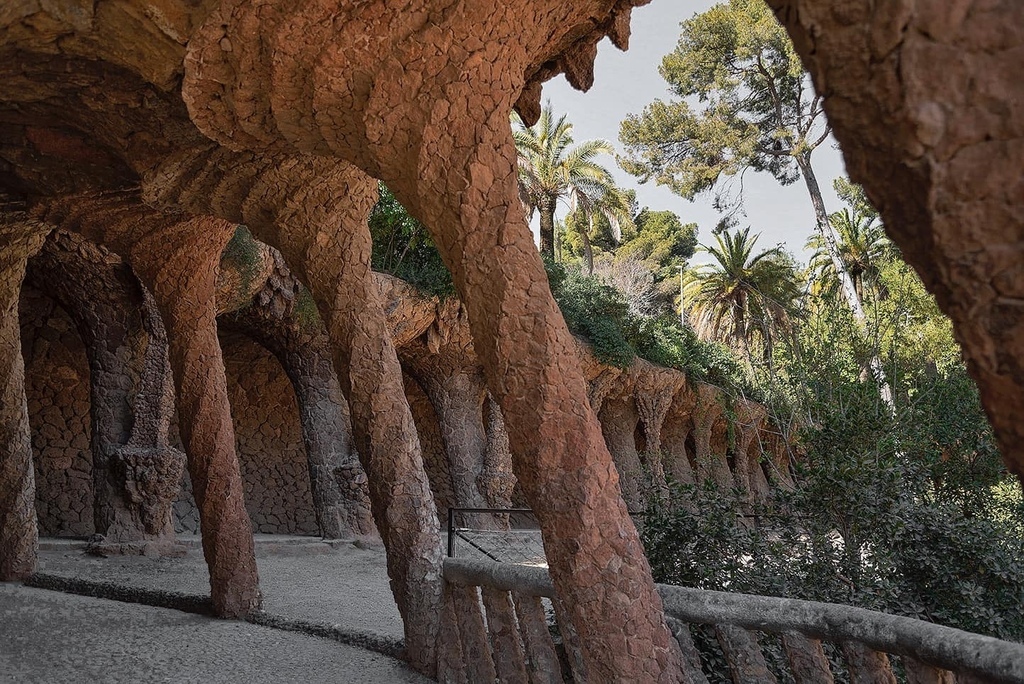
x=921, y=673
x=743, y=653
x=541, y=659
x=866, y=665
x=506, y=647
x=691, y=656
x=806, y=659
x=451, y=532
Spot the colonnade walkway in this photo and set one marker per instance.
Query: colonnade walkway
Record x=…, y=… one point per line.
x=328, y=616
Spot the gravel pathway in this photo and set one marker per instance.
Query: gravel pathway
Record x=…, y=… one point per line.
x=53, y=638
x=48, y=636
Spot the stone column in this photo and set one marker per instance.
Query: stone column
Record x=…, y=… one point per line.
x=298, y=340
x=136, y=474
x=619, y=421
x=710, y=464
x=448, y=373
x=19, y=533
x=676, y=430
x=177, y=258
x=654, y=392
x=497, y=482
x=749, y=477
x=314, y=211
x=529, y=357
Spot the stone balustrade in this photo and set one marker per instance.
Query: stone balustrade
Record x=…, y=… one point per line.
x=930, y=653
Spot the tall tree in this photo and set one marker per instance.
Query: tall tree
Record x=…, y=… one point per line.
x=863, y=245
x=742, y=296
x=758, y=110
x=551, y=171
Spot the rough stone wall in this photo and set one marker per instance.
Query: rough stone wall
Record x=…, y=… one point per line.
x=268, y=440
x=57, y=390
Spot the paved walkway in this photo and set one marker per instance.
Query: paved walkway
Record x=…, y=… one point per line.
x=48, y=636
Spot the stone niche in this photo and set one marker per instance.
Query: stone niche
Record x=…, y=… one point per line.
x=265, y=412
x=268, y=439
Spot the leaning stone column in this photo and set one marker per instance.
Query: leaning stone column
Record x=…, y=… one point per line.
x=297, y=338
x=177, y=258
x=676, y=429
x=619, y=421
x=430, y=117
x=530, y=359
x=654, y=392
x=496, y=481
x=136, y=474
x=750, y=479
x=314, y=211
x=19, y=533
x=447, y=371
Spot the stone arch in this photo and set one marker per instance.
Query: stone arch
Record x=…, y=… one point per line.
x=282, y=318
x=272, y=460
x=677, y=438
x=134, y=470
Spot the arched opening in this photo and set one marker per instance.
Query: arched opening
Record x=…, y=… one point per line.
x=268, y=442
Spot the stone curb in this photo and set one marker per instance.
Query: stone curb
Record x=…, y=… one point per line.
x=202, y=605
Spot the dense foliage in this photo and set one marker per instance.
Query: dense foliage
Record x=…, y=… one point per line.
x=403, y=247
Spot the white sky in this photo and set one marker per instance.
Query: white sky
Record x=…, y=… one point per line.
x=626, y=82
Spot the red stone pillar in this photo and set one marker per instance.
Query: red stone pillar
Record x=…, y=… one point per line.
x=465, y=190
x=19, y=533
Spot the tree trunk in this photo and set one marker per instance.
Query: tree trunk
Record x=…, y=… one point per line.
x=846, y=283
x=547, y=228
x=588, y=250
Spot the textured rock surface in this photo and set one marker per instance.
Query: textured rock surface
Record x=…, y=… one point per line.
x=19, y=239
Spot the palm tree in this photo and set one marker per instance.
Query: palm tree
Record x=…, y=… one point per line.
x=550, y=170
x=862, y=246
x=741, y=296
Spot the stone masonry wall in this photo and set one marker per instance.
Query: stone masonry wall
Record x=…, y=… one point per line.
x=57, y=390
x=269, y=443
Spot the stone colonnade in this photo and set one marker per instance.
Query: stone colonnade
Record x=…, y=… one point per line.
x=306, y=102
